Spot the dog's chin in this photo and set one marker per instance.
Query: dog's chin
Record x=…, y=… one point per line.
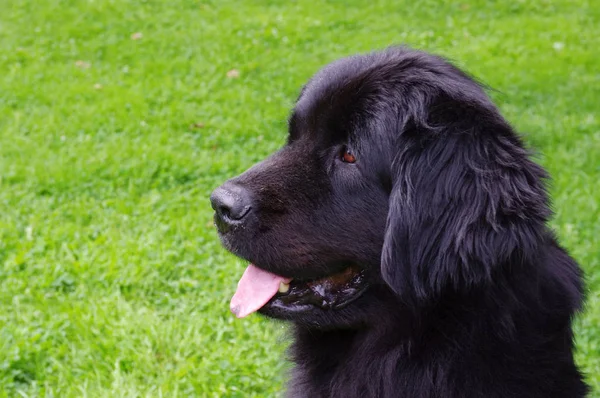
x=350, y=317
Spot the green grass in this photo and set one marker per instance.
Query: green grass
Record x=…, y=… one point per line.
x=112, y=281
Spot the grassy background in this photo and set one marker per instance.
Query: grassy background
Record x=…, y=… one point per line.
x=118, y=118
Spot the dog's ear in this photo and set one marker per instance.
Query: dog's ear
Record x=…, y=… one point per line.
x=465, y=201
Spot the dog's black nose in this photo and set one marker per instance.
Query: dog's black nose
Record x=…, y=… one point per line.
x=231, y=204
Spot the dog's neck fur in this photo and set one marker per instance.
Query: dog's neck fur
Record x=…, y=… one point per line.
x=451, y=348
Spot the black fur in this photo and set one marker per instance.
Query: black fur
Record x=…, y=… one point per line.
x=470, y=294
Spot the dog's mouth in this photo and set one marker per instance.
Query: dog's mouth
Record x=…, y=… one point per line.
x=259, y=289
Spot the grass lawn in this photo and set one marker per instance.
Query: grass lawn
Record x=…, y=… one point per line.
x=118, y=118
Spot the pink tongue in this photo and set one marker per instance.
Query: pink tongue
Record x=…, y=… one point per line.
x=254, y=290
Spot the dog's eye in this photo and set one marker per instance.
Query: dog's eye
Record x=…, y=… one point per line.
x=347, y=156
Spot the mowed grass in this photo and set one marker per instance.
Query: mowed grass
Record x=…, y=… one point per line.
x=118, y=118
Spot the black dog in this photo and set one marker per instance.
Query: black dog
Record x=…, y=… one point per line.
x=402, y=230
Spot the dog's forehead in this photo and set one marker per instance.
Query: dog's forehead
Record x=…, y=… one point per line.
x=348, y=95
x=329, y=100
x=340, y=91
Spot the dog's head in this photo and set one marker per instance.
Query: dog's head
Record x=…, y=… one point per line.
x=400, y=182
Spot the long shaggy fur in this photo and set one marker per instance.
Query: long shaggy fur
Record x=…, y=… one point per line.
x=471, y=295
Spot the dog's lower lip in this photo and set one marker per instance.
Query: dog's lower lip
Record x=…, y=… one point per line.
x=331, y=292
